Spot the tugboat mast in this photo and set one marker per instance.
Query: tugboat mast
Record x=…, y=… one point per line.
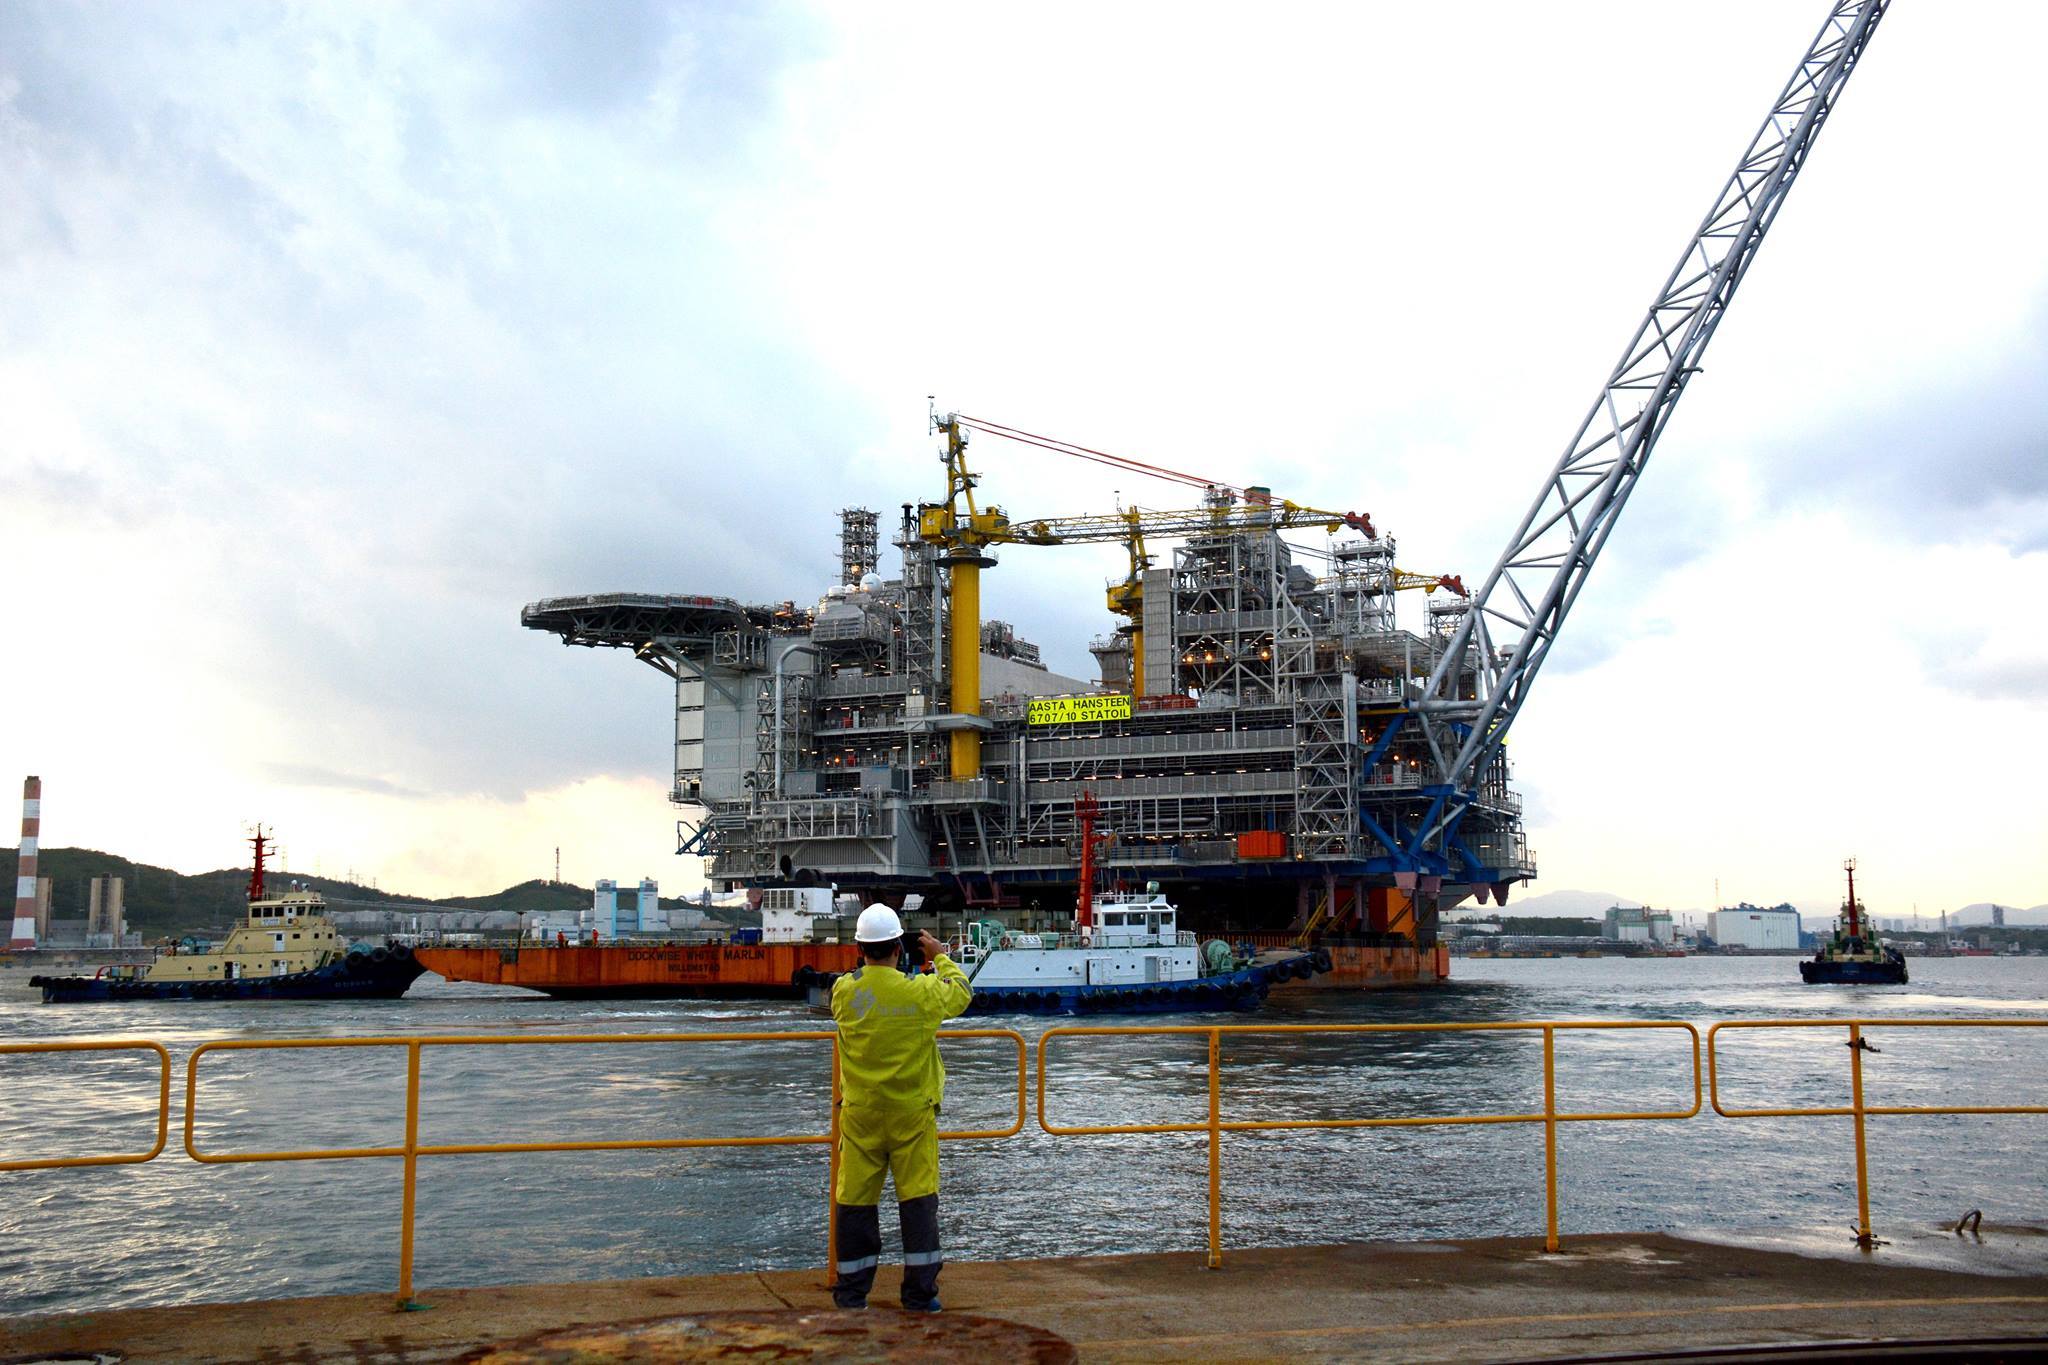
x=1851, y=909
x=261, y=841
x=1084, y=902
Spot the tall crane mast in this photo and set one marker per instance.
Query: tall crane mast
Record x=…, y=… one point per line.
x=1479, y=683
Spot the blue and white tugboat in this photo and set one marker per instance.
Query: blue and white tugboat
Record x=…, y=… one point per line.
x=1853, y=957
x=285, y=948
x=1124, y=954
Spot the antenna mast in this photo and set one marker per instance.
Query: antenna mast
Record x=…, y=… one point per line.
x=1854, y=911
x=1084, y=901
x=261, y=841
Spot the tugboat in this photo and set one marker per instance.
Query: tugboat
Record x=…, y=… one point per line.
x=285, y=948
x=1125, y=954
x=1852, y=958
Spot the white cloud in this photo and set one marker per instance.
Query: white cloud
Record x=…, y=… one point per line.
x=328, y=336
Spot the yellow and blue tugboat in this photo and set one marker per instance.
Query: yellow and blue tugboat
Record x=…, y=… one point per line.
x=1854, y=957
x=285, y=948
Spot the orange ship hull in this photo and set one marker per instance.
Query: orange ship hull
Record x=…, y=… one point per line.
x=1355, y=967
x=731, y=971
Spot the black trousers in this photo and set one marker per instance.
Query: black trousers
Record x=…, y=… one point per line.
x=860, y=1250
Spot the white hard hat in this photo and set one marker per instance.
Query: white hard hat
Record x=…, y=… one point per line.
x=877, y=924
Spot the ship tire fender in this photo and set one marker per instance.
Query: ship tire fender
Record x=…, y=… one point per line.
x=380, y=955
x=804, y=977
x=1324, y=962
x=401, y=953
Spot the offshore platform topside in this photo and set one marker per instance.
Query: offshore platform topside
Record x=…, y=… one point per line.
x=1245, y=744
x=1265, y=740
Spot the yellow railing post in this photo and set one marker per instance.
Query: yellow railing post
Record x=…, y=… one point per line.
x=412, y=1156
x=1550, y=1137
x=832, y=1179
x=1215, y=1149
x=1863, y=1237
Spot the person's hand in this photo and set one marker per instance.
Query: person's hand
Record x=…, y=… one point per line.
x=929, y=946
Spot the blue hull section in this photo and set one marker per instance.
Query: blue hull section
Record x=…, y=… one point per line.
x=1240, y=990
x=1244, y=989
x=382, y=975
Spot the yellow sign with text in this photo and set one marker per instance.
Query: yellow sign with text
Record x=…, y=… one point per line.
x=1072, y=710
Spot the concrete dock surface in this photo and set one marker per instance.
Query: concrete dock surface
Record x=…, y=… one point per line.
x=1488, y=1300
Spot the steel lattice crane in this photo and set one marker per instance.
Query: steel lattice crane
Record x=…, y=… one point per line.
x=1480, y=681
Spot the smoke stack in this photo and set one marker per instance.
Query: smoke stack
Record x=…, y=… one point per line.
x=24, y=935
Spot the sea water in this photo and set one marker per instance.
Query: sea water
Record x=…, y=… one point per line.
x=175, y=1231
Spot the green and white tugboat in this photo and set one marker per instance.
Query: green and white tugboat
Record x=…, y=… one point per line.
x=1854, y=957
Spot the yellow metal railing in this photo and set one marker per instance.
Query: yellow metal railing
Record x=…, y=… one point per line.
x=163, y=1103
x=1857, y=1109
x=412, y=1149
x=1216, y=1126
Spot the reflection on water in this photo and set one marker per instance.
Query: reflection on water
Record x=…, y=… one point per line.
x=173, y=1231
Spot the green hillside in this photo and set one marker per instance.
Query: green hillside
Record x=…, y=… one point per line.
x=1558, y=926
x=159, y=901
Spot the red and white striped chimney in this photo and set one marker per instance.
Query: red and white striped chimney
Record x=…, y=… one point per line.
x=24, y=935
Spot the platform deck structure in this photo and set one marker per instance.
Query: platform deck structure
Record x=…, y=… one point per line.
x=1249, y=778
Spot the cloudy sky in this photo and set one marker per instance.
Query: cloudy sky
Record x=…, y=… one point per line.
x=331, y=334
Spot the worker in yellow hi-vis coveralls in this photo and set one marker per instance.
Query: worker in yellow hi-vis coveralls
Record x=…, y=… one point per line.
x=891, y=1083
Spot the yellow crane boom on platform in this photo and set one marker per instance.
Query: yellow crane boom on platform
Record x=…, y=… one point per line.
x=964, y=531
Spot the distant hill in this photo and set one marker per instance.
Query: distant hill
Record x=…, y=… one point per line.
x=159, y=901
x=535, y=895
x=1980, y=913
x=1561, y=904
x=1558, y=926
